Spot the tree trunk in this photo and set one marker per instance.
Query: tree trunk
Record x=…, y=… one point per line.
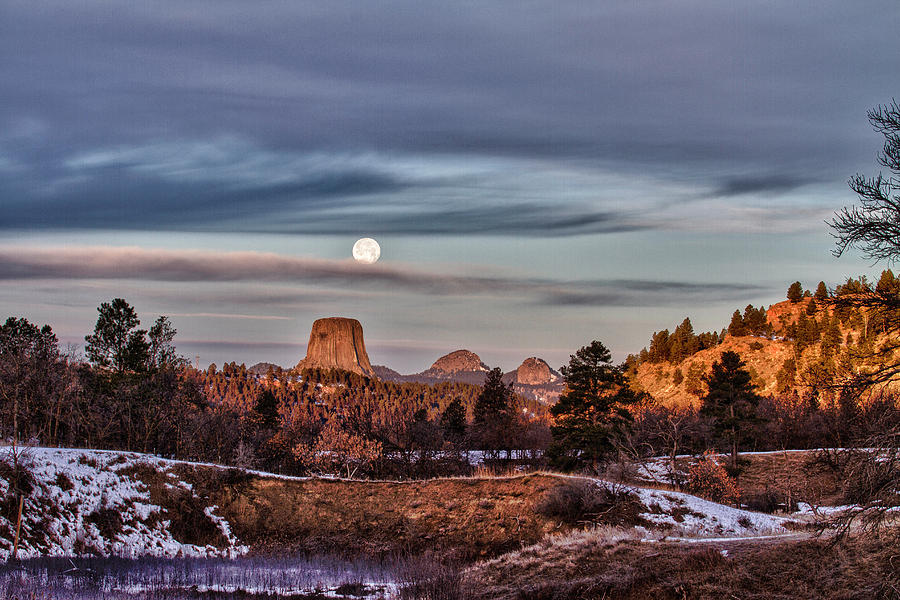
x=18, y=526
x=734, y=442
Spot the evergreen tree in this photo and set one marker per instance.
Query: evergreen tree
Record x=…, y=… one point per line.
x=495, y=412
x=736, y=327
x=453, y=420
x=660, y=346
x=755, y=322
x=811, y=307
x=117, y=342
x=730, y=402
x=592, y=410
x=821, y=292
x=495, y=399
x=266, y=409
x=795, y=292
x=161, y=350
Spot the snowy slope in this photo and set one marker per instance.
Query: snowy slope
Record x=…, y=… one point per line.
x=76, y=497
x=677, y=513
x=695, y=516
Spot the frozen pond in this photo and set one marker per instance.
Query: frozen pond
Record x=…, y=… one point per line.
x=176, y=578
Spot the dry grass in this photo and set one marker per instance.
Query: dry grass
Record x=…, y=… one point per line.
x=794, y=472
x=465, y=518
x=626, y=569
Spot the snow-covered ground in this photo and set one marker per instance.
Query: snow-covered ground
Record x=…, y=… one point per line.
x=75, y=489
x=677, y=513
x=697, y=517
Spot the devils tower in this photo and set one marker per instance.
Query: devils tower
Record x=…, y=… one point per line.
x=337, y=343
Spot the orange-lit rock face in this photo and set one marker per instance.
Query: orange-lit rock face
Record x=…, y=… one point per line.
x=533, y=371
x=337, y=343
x=461, y=360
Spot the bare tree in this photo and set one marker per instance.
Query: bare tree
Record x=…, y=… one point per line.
x=874, y=226
x=871, y=480
x=872, y=471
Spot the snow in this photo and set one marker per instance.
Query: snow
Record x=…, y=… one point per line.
x=701, y=518
x=678, y=513
x=806, y=509
x=75, y=487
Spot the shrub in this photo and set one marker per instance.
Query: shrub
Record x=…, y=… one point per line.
x=108, y=521
x=770, y=501
x=17, y=473
x=707, y=478
x=88, y=461
x=580, y=501
x=64, y=483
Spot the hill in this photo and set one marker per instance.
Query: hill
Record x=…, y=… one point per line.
x=129, y=504
x=534, y=379
x=802, y=347
x=679, y=384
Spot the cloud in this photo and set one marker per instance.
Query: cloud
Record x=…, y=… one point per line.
x=634, y=292
x=231, y=184
x=208, y=315
x=759, y=184
x=127, y=263
x=187, y=116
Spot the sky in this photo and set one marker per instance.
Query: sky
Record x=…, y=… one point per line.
x=538, y=174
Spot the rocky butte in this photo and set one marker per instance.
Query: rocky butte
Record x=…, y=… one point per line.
x=455, y=362
x=535, y=371
x=337, y=343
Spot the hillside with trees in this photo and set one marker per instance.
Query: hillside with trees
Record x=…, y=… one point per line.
x=803, y=346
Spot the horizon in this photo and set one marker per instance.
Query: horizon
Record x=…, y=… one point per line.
x=536, y=179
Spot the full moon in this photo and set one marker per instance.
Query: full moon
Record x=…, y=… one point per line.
x=366, y=250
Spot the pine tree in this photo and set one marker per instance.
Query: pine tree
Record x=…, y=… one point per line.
x=795, y=292
x=116, y=341
x=811, y=307
x=453, y=420
x=592, y=410
x=266, y=409
x=736, y=327
x=731, y=401
x=495, y=412
x=821, y=292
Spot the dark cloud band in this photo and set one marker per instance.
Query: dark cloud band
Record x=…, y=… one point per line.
x=205, y=266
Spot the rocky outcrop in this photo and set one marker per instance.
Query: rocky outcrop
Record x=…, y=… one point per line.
x=535, y=371
x=337, y=343
x=261, y=369
x=462, y=366
x=455, y=362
